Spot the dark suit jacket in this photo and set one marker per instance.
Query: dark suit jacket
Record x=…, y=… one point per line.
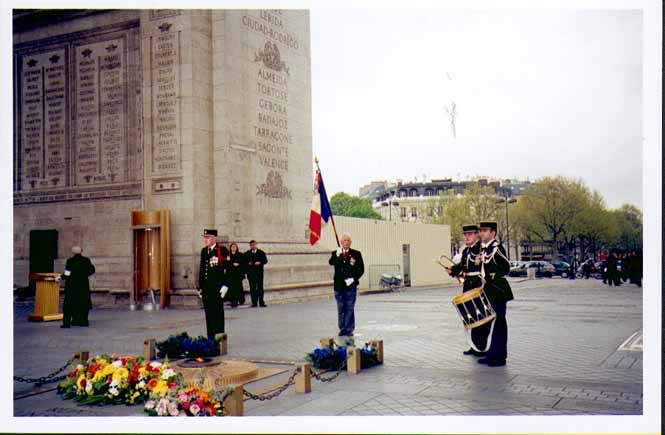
x=251, y=258
x=496, y=267
x=351, y=267
x=212, y=276
x=467, y=265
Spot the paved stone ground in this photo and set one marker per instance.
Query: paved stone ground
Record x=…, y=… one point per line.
x=564, y=356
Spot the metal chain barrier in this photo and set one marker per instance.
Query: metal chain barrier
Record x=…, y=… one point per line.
x=318, y=377
x=52, y=377
x=275, y=393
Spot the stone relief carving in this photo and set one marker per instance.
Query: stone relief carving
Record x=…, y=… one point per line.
x=274, y=187
x=271, y=58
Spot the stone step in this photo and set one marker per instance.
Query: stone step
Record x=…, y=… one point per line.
x=189, y=298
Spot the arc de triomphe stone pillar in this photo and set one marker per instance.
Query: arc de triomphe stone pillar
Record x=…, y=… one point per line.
x=206, y=113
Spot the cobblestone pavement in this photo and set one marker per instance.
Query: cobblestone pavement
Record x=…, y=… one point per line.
x=574, y=349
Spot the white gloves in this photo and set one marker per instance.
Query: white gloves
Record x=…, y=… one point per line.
x=349, y=281
x=223, y=290
x=57, y=278
x=67, y=272
x=339, y=251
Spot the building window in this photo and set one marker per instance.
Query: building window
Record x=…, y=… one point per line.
x=429, y=192
x=414, y=192
x=402, y=212
x=402, y=193
x=414, y=212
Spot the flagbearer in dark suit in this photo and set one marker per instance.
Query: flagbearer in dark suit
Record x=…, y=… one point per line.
x=212, y=282
x=469, y=270
x=494, y=267
x=255, y=259
x=349, y=267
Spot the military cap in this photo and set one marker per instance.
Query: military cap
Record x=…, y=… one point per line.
x=470, y=227
x=209, y=233
x=488, y=224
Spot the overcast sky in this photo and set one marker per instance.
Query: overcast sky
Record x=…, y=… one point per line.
x=538, y=93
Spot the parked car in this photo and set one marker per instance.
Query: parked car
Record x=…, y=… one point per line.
x=543, y=269
x=561, y=268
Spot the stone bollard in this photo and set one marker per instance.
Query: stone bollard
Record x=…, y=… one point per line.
x=82, y=356
x=304, y=378
x=233, y=404
x=327, y=343
x=378, y=345
x=353, y=360
x=149, y=352
x=223, y=341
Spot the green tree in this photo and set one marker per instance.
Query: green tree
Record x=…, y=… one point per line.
x=595, y=226
x=477, y=203
x=343, y=204
x=549, y=209
x=629, y=227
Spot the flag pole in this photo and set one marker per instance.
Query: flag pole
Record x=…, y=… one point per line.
x=332, y=219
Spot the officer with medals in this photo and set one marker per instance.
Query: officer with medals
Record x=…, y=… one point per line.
x=468, y=269
x=212, y=282
x=494, y=267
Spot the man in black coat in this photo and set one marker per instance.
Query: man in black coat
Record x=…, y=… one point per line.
x=613, y=276
x=469, y=269
x=495, y=266
x=349, y=267
x=212, y=282
x=77, y=301
x=255, y=259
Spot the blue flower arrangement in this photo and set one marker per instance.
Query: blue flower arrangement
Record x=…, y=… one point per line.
x=369, y=357
x=327, y=358
x=332, y=358
x=182, y=345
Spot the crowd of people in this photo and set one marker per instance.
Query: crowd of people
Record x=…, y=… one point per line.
x=617, y=267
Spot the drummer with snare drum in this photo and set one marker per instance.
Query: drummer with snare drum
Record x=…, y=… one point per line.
x=494, y=267
x=469, y=270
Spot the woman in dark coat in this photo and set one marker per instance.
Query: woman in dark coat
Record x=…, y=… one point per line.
x=236, y=273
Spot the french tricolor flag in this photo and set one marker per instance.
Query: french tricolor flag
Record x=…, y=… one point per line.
x=320, y=209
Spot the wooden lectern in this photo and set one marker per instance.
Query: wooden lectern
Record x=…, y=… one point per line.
x=47, y=297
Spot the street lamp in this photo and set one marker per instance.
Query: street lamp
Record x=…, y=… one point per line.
x=505, y=193
x=390, y=203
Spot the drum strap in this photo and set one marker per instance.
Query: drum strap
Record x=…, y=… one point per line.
x=489, y=339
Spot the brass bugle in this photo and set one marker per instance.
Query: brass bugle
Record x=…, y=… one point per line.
x=439, y=261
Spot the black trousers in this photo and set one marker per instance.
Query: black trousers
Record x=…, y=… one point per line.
x=255, y=278
x=75, y=310
x=214, y=311
x=499, y=347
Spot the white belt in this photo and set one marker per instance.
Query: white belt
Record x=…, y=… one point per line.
x=472, y=273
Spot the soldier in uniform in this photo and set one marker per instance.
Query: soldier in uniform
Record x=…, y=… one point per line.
x=494, y=267
x=468, y=269
x=212, y=282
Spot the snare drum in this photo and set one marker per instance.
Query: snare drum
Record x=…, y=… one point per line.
x=474, y=308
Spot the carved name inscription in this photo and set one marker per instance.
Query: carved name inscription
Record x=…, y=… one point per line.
x=165, y=101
